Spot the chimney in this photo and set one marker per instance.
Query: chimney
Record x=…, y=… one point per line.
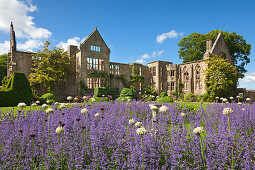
x=12, y=39
x=208, y=45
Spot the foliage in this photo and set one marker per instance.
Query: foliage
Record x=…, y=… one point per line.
x=163, y=94
x=98, y=99
x=5, y=81
x=124, y=98
x=165, y=99
x=47, y=96
x=190, y=97
x=127, y=92
x=108, y=141
x=17, y=90
x=83, y=88
x=97, y=74
x=100, y=91
x=193, y=47
x=203, y=97
x=3, y=67
x=179, y=93
x=112, y=92
x=221, y=78
x=149, y=91
x=136, y=78
x=123, y=80
x=50, y=67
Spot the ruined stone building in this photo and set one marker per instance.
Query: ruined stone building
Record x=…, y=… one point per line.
x=94, y=55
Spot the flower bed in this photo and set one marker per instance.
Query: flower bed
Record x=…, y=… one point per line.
x=104, y=136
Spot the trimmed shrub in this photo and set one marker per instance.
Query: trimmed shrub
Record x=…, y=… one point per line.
x=47, y=96
x=203, y=97
x=124, y=98
x=100, y=91
x=112, y=92
x=127, y=92
x=163, y=94
x=17, y=90
x=166, y=99
x=190, y=97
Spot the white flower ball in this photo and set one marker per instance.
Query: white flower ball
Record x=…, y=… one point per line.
x=138, y=124
x=44, y=106
x=239, y=103
x=69, y=98
x=84, y=97
x=62, y=106
x=128, y=100
x=227, y=111
x=225, y=100
x=37, y=102
x=140, y=93
x=163, y=109
x=59, y=129
x=237, y=97
x=103, y=95
x=22, y=105
x=183, y=114
x=153, y=107
x=198, y=130
x=49, y=110
x=243, y=109
x=97, y=114
x=131, y=121
x=93, y=100
x=141, y=131
x=33, y=104
x=231, y=98
x=248, y=99
x=84, y=111
x=48, y=102
x=56, y=103
x=217, y=98
x=221, y=98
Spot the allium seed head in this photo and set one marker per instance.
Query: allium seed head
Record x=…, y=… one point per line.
x=49, y=111
x=97, y=114
x=84, y=110
x=198, y=130
x=131, y=121
x=163, y=109
x=138, y=124
x=227, y=111
x=59, y=129
x=141, y=131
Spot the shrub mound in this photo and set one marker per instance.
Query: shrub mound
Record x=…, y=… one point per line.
x=17, y=90
x=47, y=96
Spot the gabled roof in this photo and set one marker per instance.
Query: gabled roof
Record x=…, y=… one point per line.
x=93, y=32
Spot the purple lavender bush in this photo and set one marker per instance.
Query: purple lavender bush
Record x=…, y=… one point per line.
x=103, y=136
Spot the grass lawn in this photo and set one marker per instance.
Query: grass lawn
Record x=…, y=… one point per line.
x=194, y=104
x=4, y=110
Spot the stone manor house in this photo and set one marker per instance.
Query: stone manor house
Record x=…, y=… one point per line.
x=94, y=54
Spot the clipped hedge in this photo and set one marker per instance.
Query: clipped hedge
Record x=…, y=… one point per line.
x=47, y=96
x=17, y=90
x=100, y=91
x=127, y=92
x=190, y=97
x=163, y=94
x=166, y=99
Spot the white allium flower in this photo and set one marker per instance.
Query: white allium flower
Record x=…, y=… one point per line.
x=56, y=103
x=129, y=97
x=198, y=130
x=22, y=105
x=128, y=100
x=93, y=100
x=225, y=100
x=239, y=103
x=138, y=124
x=59, y=129
x=33, y=104
x=243, y=109
x=221, y=98
x=97, y=114
x=217, y=98
x=62, y=106
x=131, y=121
x=103, y=95
x=48, y=102
x=69, y=98
x=183, y=114
x=237, y=97
x=153, y=107
x=84, y=111
x=248, y=99
x=76, y=99
x=231, y=98
x=49, y=110
x=37, y=102
x=227, y=111
x=163, y=109
x=140, y=93
x=44, y=106
x=157, y=97
x=141, y=131
x=84, y=97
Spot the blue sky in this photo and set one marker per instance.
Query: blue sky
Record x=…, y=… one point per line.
x=134, y=30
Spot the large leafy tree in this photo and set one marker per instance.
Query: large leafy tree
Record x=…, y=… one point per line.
x=221, y=78
x=3, y=67
x=193, y=47
x=50, y=67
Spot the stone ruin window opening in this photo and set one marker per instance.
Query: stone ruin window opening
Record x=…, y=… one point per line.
x=94, y=82
x=153, y=71
x=95, y=48
x=185, y=78
x=172, y=73
x=172, y=86
x=198, y=78
x=115, y=69
x=162, y=71
x=95, y=64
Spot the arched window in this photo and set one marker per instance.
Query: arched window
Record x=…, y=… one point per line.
x=198, y=77
x=185, y=78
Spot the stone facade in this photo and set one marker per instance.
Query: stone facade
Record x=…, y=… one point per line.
x=94, y=54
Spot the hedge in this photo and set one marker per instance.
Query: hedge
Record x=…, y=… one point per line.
x=100, y=91
x=47, y=96
x=127, y=92
x=17, y=90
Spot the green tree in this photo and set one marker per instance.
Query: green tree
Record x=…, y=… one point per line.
x=221, y=78
x=3, y=67
x=50, y=67
x=193, y=47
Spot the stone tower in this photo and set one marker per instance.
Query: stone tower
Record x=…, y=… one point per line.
x=12, y=39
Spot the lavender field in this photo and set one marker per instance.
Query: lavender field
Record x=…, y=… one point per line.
x=107, y=136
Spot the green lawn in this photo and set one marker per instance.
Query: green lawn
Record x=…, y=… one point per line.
x=4, y=110
x=194, y=104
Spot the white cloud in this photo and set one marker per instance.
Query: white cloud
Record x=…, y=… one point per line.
x=147, y=56
x=4, y=47
x=17, y=11
x=248, y=78
x=168, y=35
x=71, y=41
